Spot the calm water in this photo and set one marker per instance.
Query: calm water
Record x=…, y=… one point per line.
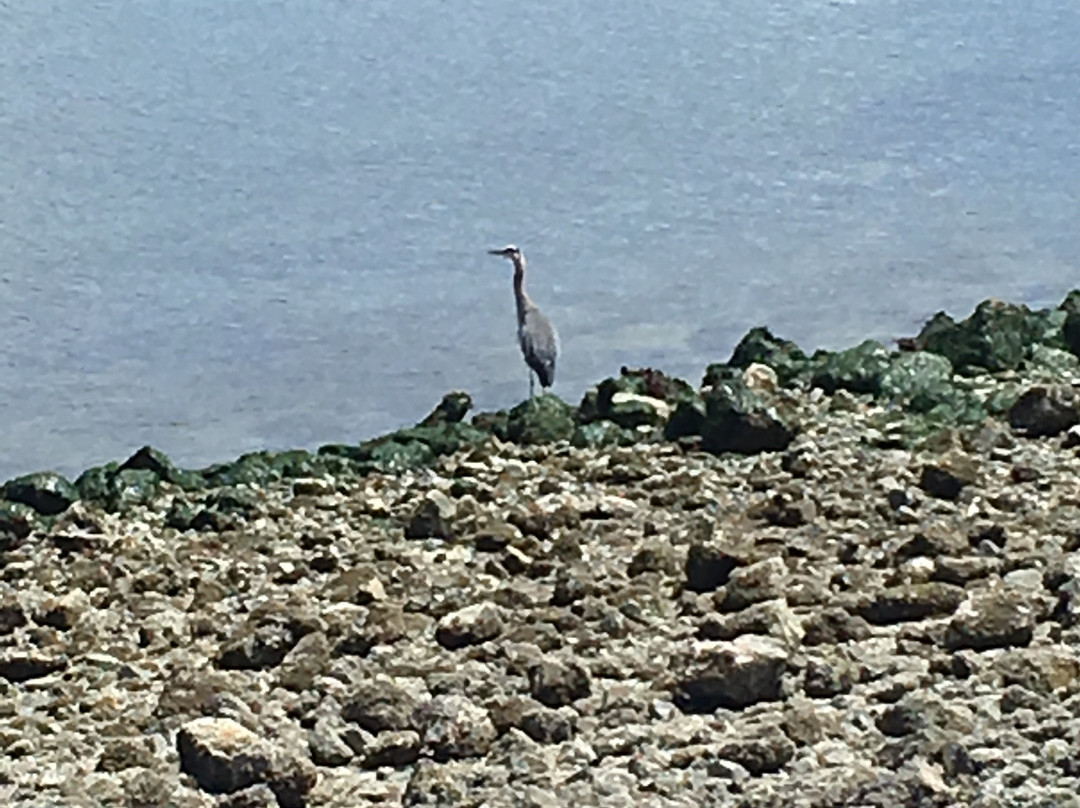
x=235, y=226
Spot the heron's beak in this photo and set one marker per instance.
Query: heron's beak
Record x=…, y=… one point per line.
x=496, y=252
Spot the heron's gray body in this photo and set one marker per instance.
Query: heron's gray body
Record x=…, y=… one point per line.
x=536, y=336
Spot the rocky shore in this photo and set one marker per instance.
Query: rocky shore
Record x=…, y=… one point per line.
x=845, y=579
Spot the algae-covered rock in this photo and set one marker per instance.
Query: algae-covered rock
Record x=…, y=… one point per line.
x=95, y=483
x=497, y=423
x=995, y=337
x=687, y=419
x=259, y=468
x=637, y=397
x=116, y=488
x=151, y=459
x=444, y=438
x=543, y=419
x=253, y=468
x=132, y=487
x=740, y=420
x=451, y=410
x=858, y=370
x=761, y=346
x=919, y=381
x=414, y=447
x=1055, y=362
x=46, y=492
x=602, y=433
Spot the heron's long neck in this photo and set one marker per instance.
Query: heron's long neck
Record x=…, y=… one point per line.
x=520, y=294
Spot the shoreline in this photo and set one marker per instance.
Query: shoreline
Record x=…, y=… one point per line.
x=851, y=578
x=997, y=338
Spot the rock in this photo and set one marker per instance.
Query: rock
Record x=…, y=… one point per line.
x=259, y=796
x=738, y=420
x=16, y=520
x=381, y=705
x=12, y=616
x=431, y=518
x=755, y=583
x=543, y=419
x=996, y=619
x=823, y=680
x=785, y=512
x=686, y=419
x=224, y=757
x=1045, y=411
x=912, y=602
x=263, y=641
x=451, y=410
x=636, y=398
x=305, y=662
x=556, y=684
x=602, y=433
x=946, y=479
x=46, y=492
x=453, y=727
x=759, y=346
x=630, y=411
x=359, y=585
x=834, y=626
x=708, y=567
x=918, y=381
x=158, y=463
x=764, y=755
x=436, y=786
x=995, y=337
x=773, y=618
x=18, y=665
x=732, y=674
x=326, y=745
x=469, y=626
x=1041, y=670
x=1044, y=360
x=857, y=370
x=395, y=748
x=760, y=378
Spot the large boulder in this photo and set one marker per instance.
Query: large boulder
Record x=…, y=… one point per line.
x=858, y=370
x=46, y=492
x=740, y=420
x=116, y=488
x=636, y=397
x=760, y=346
x=150, y=459
x=995, y=337
x=918, y=381
x=541, y=419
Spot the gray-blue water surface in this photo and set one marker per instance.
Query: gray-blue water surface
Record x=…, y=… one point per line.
x=236, y=226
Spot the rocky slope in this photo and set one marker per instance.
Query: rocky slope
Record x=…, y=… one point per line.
x=847, y=579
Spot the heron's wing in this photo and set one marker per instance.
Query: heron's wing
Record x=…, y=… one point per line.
x=539, y=344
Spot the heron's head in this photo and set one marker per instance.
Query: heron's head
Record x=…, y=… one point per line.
x=509, y=251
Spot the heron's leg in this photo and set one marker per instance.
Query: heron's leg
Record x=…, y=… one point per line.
x=532, y=384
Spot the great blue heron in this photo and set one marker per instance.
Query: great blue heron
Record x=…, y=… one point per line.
x=539, y=344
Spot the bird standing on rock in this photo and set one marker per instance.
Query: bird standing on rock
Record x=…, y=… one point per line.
x=539, y=343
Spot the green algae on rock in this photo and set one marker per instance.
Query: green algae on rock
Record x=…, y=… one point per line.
x=740, y=420
x=47, y=492
x=995, y=337
x=857, y=370
x=543, y=419
x=760, y=346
